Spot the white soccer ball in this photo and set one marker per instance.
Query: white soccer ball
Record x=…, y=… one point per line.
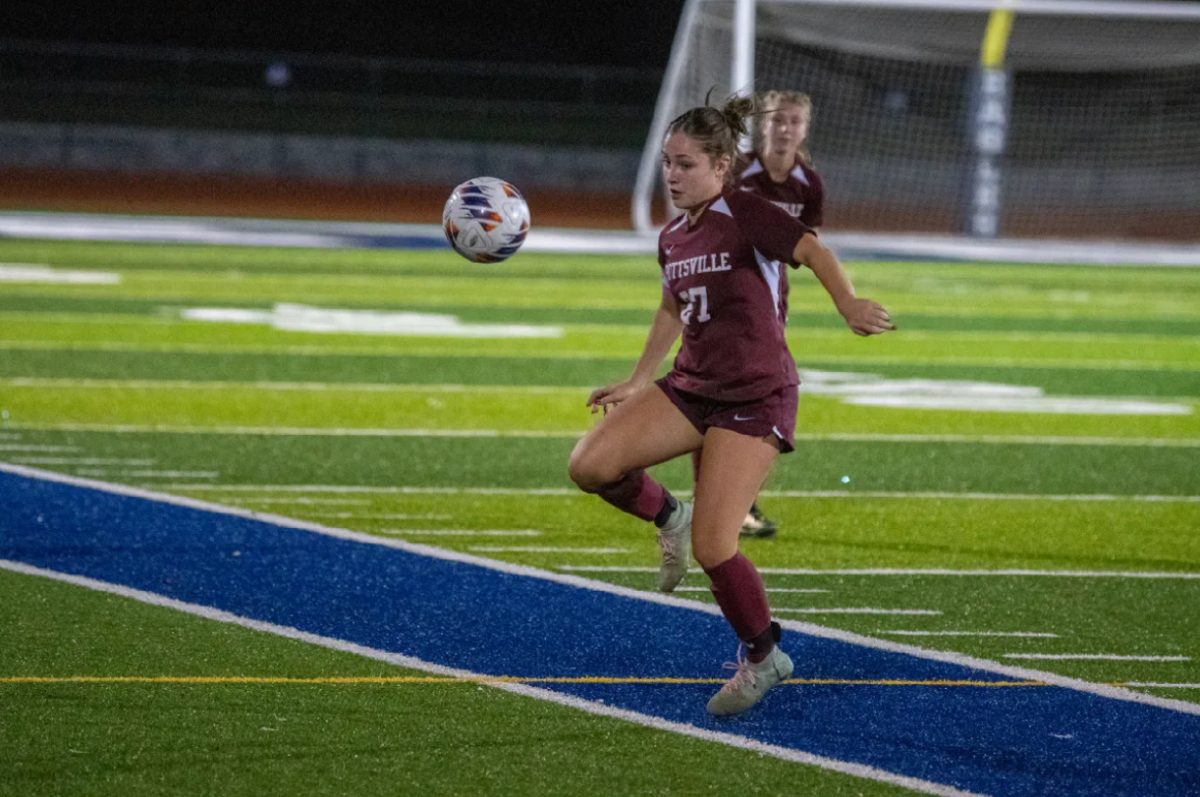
x=486, y=219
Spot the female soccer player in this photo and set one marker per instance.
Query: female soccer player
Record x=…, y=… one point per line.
x=780, y=169
x=732, y=389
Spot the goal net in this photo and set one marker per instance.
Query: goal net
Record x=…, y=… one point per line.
x=1079, y=119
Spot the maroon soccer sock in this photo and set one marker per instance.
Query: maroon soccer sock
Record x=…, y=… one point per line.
x=743, y=600
x=637, y=494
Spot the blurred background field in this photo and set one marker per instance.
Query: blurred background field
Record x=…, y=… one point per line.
x=248, y=112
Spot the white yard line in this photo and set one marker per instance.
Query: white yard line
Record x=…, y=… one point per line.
x=1092, y=657
x=349, y=387
x=311, y=350
x=543, y=549
x=1159, y=685
x=858, y=610
x=931, y=571
x=978, y=496
x=371, y=490
x=81, y=461
x=1005, y=572
x=27, y=447
x=306, y=500
x=1017, y=439
x=380, y=516
x=1020, y=634
x=413, y=490
x=431, y=353
x=289, y=317
x=322, y=431
x=1038, y=405
x=461, y=532
x=44, y=273
x=769, y=589
x=110, y=473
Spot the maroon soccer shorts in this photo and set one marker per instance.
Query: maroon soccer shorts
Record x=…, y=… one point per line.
x=774, y=414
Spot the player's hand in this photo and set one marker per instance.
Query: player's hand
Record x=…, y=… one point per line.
x=866, y=317
x=603, y=398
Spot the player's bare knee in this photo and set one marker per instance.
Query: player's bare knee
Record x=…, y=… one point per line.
x=587, y=469
x=706, y=559
x=711, y=550
x=578, y=473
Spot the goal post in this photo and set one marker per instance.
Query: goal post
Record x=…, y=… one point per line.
x=977, y=118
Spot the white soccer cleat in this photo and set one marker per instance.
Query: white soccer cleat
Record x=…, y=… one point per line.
x=675, y=540
x=750, y=683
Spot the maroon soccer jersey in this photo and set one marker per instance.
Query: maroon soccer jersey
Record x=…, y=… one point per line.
x=802, y=194
x=725, y=273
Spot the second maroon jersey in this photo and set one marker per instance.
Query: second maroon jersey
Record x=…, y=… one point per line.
x=725, y=272
x=802, y=194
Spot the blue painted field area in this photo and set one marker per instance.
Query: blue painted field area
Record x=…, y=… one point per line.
x=1002, y=740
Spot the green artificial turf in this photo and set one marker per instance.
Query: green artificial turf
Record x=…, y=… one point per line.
x=406, y=437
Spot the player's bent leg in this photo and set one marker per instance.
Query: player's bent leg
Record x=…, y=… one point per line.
x=644, y=430
x=610, y=460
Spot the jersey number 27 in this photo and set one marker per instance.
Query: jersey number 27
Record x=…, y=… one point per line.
x=693, y=299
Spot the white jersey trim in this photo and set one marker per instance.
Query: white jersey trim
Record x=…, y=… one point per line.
x=679, y=223
x=770, y=269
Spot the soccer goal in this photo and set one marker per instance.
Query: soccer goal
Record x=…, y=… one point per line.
x=1073, y=119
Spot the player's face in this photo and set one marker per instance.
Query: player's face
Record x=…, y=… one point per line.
x=785, y=129
x=692, y=177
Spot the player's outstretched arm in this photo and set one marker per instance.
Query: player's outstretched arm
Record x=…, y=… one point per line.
x=863, y=316
x=665, y=329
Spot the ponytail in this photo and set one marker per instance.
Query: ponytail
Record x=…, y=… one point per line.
x=717, y=130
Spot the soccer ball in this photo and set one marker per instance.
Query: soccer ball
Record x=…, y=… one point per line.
x=486, y=219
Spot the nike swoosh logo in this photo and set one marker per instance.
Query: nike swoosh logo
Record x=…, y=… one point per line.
x=740, y=418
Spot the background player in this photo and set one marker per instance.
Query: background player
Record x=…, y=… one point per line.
x=780, y=169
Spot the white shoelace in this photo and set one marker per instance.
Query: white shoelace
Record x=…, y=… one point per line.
x=744, y=674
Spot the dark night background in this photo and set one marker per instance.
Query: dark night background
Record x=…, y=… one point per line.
x=634, y=34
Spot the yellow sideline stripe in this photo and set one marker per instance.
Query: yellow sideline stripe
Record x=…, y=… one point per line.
x=441, y=679
x=995, y=38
